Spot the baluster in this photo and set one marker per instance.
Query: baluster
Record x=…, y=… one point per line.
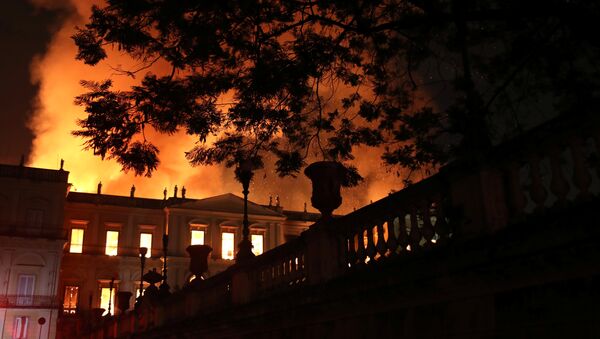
x=537, y=190
x=262, y=278
x=351, y=248
x=259, y=278
x=279, y=270
x=558, y=184
x=299, y=271
x=392, y=243
x=301, y=264
x=271, y=278
x=403, y=239
x=381, y=245
x=371, y=252
x=268, y=277
x=441, y=225
x=293, y=270
x=360, y=250
x=516, y=197
x=415, y=233
x=581, y=175
x=299, y=267
x=427, y=230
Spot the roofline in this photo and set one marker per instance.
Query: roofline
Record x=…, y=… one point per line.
x=170, y=202
x=33, y=173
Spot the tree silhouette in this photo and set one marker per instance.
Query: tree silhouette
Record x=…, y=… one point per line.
x=426, y=80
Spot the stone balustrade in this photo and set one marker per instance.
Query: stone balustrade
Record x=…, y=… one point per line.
x=407, y=221
x=281, y=268
x=28, y=301
x=552, y=166
x=556, y=165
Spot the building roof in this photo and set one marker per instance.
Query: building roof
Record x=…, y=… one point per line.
x=31, y=173
x=228, y=202
x=114, y=200
x=302, y=216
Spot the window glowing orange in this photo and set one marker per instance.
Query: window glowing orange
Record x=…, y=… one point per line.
x=257, y=244
x=197, y=237
x=112, y=243
x=146, y=241
x=105, y=296
x=76, y=240
x=70, y=301
x=227, y=245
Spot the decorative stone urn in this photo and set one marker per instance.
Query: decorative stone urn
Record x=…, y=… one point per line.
x=152, y=278
x=326, y=177
x=123, y=298
x=198, y=259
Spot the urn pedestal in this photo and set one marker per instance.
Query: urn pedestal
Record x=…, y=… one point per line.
x=152, y=278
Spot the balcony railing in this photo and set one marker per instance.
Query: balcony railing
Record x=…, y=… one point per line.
x=47, y=231
x=28, y=301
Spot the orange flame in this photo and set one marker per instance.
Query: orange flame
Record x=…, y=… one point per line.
x=58, y=74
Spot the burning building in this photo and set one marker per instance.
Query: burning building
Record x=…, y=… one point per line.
x=66, y=255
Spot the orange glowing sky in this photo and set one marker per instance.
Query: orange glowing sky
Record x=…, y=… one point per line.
x=58, y=74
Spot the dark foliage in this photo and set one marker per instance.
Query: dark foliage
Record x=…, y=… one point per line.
x=427, y=80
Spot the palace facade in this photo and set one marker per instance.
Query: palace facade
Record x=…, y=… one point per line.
x=61, y=252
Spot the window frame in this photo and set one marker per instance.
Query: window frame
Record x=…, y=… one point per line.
x=25, y=299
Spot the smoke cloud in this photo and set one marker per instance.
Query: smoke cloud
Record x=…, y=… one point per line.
x=58, y=74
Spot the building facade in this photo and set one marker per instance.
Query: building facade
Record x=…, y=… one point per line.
x=61, y=252
x=32, y=239
x=105, y=234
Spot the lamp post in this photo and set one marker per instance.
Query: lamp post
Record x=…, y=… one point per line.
x=143, y=251
x=164, y=287
x=244, y=175
x=110, y=288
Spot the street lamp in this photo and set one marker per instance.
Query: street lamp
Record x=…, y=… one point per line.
x=143, y=251
x=164, y=287
x=110, y=288
x=244, y=175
